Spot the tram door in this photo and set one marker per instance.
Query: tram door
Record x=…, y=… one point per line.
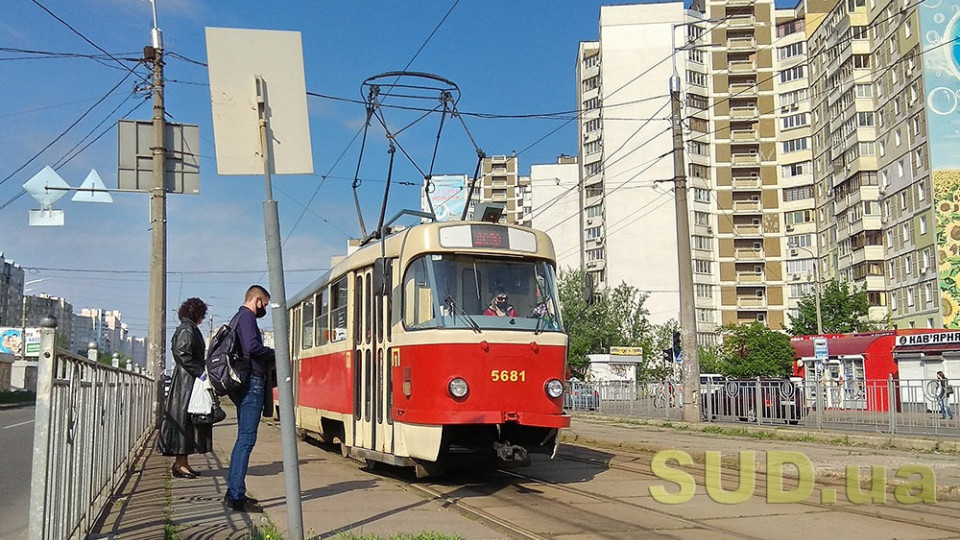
x=381, y=307
x=363, y=355
x=373, y=428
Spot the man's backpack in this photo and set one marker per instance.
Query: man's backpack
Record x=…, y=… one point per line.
x=227, y=370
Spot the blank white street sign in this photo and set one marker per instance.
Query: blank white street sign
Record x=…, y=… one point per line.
x=235, y=58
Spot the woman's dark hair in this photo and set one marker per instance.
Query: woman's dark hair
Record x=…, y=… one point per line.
x=192, y=309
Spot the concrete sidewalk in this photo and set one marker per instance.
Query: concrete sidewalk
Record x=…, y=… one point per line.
x=337, y=497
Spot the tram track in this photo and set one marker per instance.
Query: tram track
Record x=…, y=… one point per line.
x=533, y=504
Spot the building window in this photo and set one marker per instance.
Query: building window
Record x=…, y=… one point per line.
x=704, y=315
x=701, y=218
x=800, y=240
x=798, y=193
x=923, y=224
x=789, y=51
x=698, y=124
x=703, y=242
x=795, y=121
x=796, y=169
x=595, y=254
x=701, y=266
x=697, y=101
x=594, y=211
x=593, y=233
x=592, y=125
x=701, y=195
x=910, y=299
x=591, y=60
x=704, y=291
x=591, y=83
x=792, y=74
x=794, y=145
x=699, y=171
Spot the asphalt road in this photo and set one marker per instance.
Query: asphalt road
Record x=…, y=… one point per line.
x=16, y=455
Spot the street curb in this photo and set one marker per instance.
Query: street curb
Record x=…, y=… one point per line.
x=787, y=434
x=19, y=405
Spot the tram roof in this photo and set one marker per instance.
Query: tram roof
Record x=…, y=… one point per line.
x=367, y=253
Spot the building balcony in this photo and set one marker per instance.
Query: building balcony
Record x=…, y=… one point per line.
x=743, y=89
x=746, y=182
x=741, y=43
x=751, y=277
x=868, y=253
x=742, y=21
x=748, y=229
x=749, y=207
x=740, y=160
x=751, y=301
x=744, y=113
x=740, y=2
x=745, y=135
x=742, y=66
x=748, y=254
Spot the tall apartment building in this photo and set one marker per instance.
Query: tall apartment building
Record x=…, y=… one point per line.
x=11, y=292
x=820, y=144
x=40, y=306
x=500, y=182
x=885, y=162
x=625, y=141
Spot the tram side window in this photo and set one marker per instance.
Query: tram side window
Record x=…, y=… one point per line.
x=323, y=322
x=307, y=335
x=417, y=295
x=338, y=310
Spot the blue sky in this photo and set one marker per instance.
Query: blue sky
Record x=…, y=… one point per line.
x=508, y=58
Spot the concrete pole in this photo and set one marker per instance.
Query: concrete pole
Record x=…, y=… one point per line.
x=688, y=317
x=47, y=361
x=156, y=332
x=278, y=305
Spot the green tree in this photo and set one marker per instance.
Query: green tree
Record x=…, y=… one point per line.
x=843, y=310
x=753, y=350
x=711, y=360
x=614, y=317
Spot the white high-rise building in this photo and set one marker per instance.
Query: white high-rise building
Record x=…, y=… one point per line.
x=555, y=203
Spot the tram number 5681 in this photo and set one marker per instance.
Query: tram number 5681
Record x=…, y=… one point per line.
x=505, y=375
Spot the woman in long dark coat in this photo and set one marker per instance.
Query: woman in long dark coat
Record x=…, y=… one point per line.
x=179, y=436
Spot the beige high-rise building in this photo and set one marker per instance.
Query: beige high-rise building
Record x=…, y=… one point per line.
x=819, y=142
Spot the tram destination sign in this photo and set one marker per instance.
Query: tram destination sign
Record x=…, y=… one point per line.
x=933, y=338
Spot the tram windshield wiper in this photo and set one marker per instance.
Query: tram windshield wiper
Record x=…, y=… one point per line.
x=456, y=309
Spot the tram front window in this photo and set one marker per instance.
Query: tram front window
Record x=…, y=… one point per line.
x=483, y=293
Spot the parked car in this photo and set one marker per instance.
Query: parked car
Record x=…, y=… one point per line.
x=779, y=400
x=581, y=396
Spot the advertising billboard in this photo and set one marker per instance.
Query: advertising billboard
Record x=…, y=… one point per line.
x=940, y=30
x=11, y=339
x=448, y=194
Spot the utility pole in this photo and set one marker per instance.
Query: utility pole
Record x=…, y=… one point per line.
x=156, y=333
x=688, y=321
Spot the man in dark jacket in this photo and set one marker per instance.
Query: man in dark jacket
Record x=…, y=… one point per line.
x=249, y=397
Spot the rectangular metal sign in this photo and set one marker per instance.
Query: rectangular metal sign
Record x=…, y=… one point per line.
x=135, y=157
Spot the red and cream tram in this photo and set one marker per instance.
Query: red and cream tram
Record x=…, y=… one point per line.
x=396, y=359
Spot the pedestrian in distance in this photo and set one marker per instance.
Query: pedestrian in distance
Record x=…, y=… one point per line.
x=500, y=305
x=944, y=391
x=179, y=435
x=250, y=397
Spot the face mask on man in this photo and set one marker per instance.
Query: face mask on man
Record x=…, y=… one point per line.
x=261, y=311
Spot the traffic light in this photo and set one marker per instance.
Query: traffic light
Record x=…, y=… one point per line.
x=676, y=342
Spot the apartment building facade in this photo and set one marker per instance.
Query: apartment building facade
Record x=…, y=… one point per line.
x=555, y=203
x=11, y=292
x=625, y=143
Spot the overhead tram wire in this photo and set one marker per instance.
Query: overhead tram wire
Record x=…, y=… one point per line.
x=85, y=38
x=361, y=130
x=65, y=131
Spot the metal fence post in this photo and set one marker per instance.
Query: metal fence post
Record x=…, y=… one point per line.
x=41, y=427
x=821, y=395
x=891, y=404
x=758, y=398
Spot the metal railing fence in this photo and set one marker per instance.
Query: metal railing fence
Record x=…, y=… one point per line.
x=90, y=420
x=895, y=406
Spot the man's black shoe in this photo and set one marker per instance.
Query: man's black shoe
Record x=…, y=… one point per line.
x=243, y=505
x=251, y=500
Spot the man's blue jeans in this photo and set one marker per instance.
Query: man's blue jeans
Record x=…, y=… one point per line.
x=249, y=402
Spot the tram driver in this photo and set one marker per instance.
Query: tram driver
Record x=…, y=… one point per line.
x=500, y=305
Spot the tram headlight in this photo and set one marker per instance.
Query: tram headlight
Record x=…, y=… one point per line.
x=554, y=388
x=458, y=387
